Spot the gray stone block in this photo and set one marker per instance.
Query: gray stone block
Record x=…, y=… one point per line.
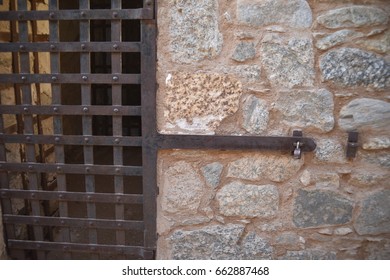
x=374, y=217
x=320, y=208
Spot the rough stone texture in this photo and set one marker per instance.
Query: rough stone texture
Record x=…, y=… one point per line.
x=306, y=109
x=319, y=208
x=212, y=173
x=244, y=51
x=377, y=143
x=343, y=231
x=294, y=13
x=182, y=189
x=194, y=30
x=218, y=243
x=290, y=241
x=290, y=62
x=327, y=180
x=378, y=250
x=380, y=44
x=310, y=255
x=255, y=115
x=247, y=72
x=306, y=178
x=330, y=150
x=198, y=102
x=337, y=38
x=365, y=113
x=238, y=199
x=374, y=217
x=381, y=159
x=353, y=16
x=354, y=67
x=272, y=167
x=367, y=178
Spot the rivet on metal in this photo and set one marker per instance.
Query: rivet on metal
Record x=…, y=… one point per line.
x=85, y=109
x=54, y=78
x=115, y=14
x=83, y=14
x=116, y=110
x=148, y=3
x=61, y=196
x=52, y=47
x=84, y=78
x=24, y=78
x=25, y=109
x=57, y=139
x=51, y=15
x=20, y=16
x=86, y=140
x=119, y=224
x=117, y=141
x=115, y=46
x=33, y=195
x=59, y=168
x=89, y=197
x=87, y=170
x=28, y=139
x=55, y=109
x=83, y=46
x=117, y=170
x=30, y=167
x=22, y=47
x=119, y=199
x=115, y=78
x=91, y=223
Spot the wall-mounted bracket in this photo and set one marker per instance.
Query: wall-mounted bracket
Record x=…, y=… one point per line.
x=352, y=144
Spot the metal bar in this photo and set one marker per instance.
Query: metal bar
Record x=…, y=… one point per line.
x=132, y=141
x=74, y=222
x=78, y=247
x=111, y=47
x=72, y=168
x=29, y=125
x=57, y=122
x=58, y=109
x=117, y=120
x=234, y=142
x=73, y=196
x=149, y=131
x=82, y=14
x=84, y=78
x=85, y=67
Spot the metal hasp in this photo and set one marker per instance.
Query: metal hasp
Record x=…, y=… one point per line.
x=352, y=144
x=295, y=144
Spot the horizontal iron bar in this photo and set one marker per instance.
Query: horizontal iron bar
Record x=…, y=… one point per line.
x=72, y=47
x=74, y=222
x=118, y=170
x=125, y=14
x=71, y=110
x=134, y=141
x=79, y=247
x=71, y=78
x=234, y=142
x=73, y=196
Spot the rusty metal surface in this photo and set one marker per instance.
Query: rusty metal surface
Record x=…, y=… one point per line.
x=84, y=78
x=81, y=14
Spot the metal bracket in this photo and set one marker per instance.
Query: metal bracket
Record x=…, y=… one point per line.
x=352, y=144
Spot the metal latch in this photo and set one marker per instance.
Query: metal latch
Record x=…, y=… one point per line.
x=352, y=144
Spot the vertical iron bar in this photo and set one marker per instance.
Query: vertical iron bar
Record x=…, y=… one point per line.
x=85, y=68
x=57, y=123
x=149, y=131
x=29, y=126
x=117, y=120
x=6, y=203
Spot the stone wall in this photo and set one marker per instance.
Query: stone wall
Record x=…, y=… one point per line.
x=265, y=67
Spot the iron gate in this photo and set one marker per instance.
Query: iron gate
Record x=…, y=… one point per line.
x=87, y=186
